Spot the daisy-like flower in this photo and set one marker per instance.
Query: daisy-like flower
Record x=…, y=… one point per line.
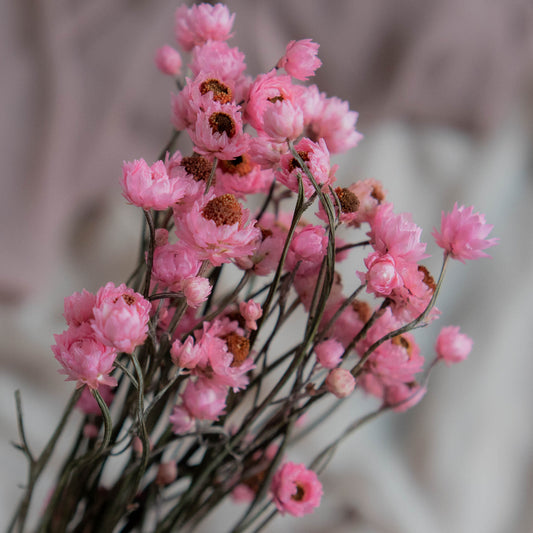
x=218, y=230
x=84, y=358
x=218, y=131
x=196, y=25
x=463, y=234
x=79, y=307
x=296, y=490
x=150, y=187
x=300, y=59
x=217, y=55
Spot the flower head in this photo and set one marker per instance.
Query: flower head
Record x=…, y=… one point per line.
x=300, y=59
x=168, y=60
x=296, y=490
x=452, y=346
x=463, y=233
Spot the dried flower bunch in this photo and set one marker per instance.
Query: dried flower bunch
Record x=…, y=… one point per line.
x=186, y=395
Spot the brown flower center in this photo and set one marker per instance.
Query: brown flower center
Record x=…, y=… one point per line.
x=240, y=165
x=130, y=300
x=348, y=200
x=298, y=496
x=363, y=309
x=378, y=193
x=274, y=99
x=240, y=348
x=223, y=210
x=428, y=278
x=293, y=163
x=196, y=165
x=222, y=123
x=221, y=92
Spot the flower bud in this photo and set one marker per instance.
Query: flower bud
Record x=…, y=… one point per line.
x=340, y=382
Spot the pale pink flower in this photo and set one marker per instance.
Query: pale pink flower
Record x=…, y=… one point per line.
x=382, y=275
x=396, y=235
x=316, y=158
x=463, y=234
x=150, y=187
x=283, y=120
x=296, y=490
x=84, y=358
x=218, y=230
x=452, y=346
x=329, y=353
x=173, y=263
x=265, y=152
x=182, y=421
x=307, y=250
x=204, y=400
x=266, y=89
x=79, y=307
x=220, y=57
x=370, y=194
x=218, y=131
x=196, y=25
x=89, y=405
x=168, y=60
x=340, y=382
x=196, y=290
x=300, y=59
x=187, y=354
x=121, y=317
x=251, y=312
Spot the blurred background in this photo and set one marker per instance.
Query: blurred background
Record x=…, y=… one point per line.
x=445, y=96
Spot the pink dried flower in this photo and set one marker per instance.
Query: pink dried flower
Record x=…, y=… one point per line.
x=283, y=120
x=168, y=60
x=217, y=56
x=79, y=307
x=463, y=234
x=196, y=290
x=296, y=490
x=307, y=248
x=84, y=358
x=203, y=400
x=382, y=276
x=196, y=25
x=173, y=263
x=340, y=382
x=121, y=317
x=166, y=473
x=452, y=346
x=300, y=59
x=161, y=236
x=150, y=187
x=251, y=312
x=329, y=353
x=187, y=354
x=182, y=421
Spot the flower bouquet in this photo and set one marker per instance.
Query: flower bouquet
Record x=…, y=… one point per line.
x=193, y=377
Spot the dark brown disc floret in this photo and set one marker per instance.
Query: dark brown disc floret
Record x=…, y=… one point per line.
x=293, y=163
x=348, y=200
x=197, y=166
x=221, y=92
x=222, y=123
x=241, y=165
x=363, y=309
x=428, y=278
x=239, y=346
x=223, y=209
x=400, y=340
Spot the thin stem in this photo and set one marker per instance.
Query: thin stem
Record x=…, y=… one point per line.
x=151, y=249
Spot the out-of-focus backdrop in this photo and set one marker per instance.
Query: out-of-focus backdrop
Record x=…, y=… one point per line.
x=444, y=91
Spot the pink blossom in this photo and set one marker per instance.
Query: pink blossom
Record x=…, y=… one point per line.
x=316, y=158
x=251, y=312
x=182, y=421
x=296, y=490
x=168, y=60
x=283, y=120
x=196, y=25
x=340, y=382
x=173, y=263
x=196, y=290
x=463, y=234
x=121, y=317
x=203, y=400
x=218, y=56
x=218, y=230
x=218, y=131
x=370, y=194
x=89, y=405
x=166, y=473
x=307, y=249
x=79, y=307
x=329, y=353
x=84, y=358
x=452, y=346
x=161, y=236
x=382, y=276
x=150, y=187
x=300, y=59
x=187, y=354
